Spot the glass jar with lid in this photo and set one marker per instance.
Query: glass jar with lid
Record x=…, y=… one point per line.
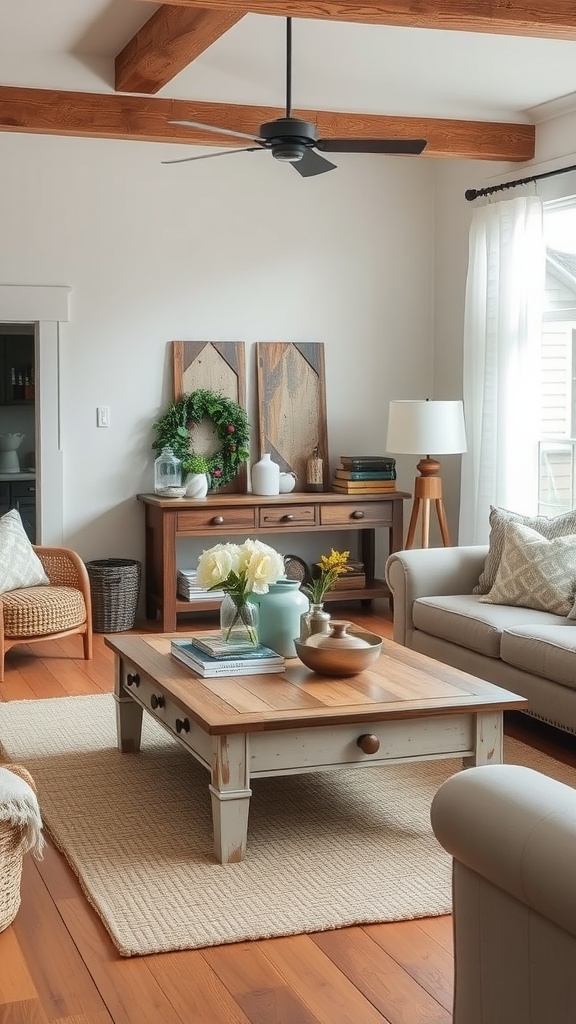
x=167, y=471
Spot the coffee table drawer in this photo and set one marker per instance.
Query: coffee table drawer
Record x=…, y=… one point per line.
x=294, y=750
x=148, y=694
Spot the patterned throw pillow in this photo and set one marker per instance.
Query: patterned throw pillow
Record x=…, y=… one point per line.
x=535, y=572
x=559, y=526
x=19, y=563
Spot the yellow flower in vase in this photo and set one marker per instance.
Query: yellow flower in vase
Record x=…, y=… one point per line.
x=331, y=567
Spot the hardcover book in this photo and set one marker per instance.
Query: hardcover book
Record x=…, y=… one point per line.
x=212, y=643
x=367, y=462
x=260, y=660
x=365, y=474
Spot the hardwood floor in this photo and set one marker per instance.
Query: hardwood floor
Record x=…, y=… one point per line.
x=58, y=964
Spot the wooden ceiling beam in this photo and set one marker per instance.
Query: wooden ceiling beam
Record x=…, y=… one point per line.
x=169, y=41
x=113, y=116
x=550, y=19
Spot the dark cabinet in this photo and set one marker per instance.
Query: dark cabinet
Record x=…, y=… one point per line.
x=16, y=369
x=22, y=496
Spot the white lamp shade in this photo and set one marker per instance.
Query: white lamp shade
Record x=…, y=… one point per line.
x=426, y=428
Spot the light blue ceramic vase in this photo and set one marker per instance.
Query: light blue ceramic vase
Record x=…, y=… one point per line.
x=280, y=611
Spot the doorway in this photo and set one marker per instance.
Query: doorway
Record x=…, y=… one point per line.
x=43, y=310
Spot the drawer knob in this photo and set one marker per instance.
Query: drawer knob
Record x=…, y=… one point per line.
x=368, y=743
x=288, y=517
x=182, y=725
x=218, y=520
x=132, y=679
x=157, y=701
x=357, y=514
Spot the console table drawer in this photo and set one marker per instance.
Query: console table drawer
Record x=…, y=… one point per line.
x=287, y=515
x=209, y=519
x=363, y=513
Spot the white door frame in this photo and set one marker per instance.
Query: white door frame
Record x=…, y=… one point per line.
x=46, y=307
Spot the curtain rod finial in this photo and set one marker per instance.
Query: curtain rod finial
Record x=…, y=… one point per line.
x=471, y=194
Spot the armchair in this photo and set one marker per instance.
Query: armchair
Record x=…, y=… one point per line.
x=49, y=612
x=511, y=832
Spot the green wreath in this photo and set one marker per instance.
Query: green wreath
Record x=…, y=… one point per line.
x=230, y=424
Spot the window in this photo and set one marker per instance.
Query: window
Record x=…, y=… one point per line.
x=557, y=446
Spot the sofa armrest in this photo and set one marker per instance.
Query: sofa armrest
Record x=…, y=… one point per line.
x=516, y=828
x=430, y=572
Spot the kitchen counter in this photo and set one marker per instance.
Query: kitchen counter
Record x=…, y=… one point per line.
x=17, y=476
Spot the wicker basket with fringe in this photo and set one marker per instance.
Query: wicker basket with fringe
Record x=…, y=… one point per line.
x=11, y=852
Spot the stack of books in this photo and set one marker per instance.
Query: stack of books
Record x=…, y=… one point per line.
x=187, y=587
x=207, y=655
x=365, y=474
x=354, y=579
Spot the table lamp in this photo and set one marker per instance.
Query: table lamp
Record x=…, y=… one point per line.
x=415, y=427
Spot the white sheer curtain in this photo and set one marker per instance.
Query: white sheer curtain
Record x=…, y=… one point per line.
x=502, y=333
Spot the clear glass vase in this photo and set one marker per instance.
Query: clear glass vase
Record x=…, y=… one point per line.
x=315, y=620
x=238, y=621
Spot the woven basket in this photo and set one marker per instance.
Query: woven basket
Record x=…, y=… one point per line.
x=11, y=852
x=114, y=587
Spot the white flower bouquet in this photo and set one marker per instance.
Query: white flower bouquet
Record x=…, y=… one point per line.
x=238, y=570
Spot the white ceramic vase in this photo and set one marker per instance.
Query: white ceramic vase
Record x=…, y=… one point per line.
x=196, y=485
x=266, y=476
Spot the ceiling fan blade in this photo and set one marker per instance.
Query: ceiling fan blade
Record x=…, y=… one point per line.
x=210, y=156
x=217, y=131
x=311, y=164
x=406, y=146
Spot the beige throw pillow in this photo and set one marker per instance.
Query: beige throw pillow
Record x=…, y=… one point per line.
x=535, y=572
x=19, y=563
x=559, y=526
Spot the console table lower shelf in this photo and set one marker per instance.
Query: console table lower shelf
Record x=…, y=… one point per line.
x=220, y=516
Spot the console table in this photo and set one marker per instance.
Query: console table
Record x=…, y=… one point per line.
x=219, y=516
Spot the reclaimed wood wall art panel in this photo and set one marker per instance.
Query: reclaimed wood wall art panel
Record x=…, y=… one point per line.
x=292, y=405
x=215, y=366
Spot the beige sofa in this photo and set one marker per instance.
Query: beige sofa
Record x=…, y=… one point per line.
x=529, y=652
x=512, y=835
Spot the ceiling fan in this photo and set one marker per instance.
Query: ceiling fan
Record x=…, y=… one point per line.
x=294, y=141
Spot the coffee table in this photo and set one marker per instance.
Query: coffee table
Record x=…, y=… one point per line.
x=405, y=707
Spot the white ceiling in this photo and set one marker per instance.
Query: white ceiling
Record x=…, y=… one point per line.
x=71, y=44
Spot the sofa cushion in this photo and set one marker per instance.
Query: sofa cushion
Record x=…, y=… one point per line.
x=559, y=526
x=463, y=620
x=543, y=650
x=535, y=572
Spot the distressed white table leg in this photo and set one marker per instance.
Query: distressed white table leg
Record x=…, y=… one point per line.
x=128, y=724
x=488, y=740
x=230, y=793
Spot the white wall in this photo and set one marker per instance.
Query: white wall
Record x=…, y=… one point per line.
x=234, y=248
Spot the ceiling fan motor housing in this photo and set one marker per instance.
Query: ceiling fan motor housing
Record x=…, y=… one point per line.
x=288, y=138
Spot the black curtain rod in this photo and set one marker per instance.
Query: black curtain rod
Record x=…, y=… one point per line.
x=475, y=193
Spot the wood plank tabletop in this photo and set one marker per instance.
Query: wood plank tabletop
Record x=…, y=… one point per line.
x=400, y=684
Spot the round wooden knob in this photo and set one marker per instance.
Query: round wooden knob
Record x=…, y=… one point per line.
x=368, y=743
x=157, y=701
x=182, y=725
x=218, y=520
x=132, y=679
x=288, y=517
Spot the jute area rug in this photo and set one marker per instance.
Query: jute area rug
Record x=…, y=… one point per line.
x=325, y=850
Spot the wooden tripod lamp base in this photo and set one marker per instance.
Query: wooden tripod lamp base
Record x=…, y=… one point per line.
x=428, y=489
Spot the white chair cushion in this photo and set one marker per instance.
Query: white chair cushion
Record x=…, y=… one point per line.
x=19, y=563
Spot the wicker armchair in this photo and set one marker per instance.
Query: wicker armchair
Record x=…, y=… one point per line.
x=49, y=612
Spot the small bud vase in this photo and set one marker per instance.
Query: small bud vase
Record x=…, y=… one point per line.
x=315, y=620
x=238, y=621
